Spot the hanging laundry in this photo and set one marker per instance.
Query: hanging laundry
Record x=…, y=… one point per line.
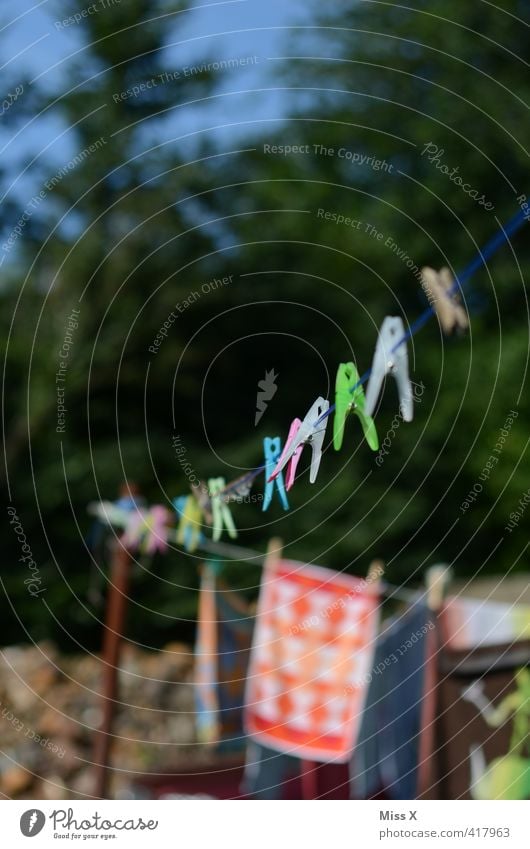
x=235, y=626
x=206, y=683
x=483, y=719
x=469, y=623
x=224, y=634
x=222, y=516
x=312, y=431
x=508, y=776
x=147, y=530
x=439, y=286
x=477, y=756
x=386, y=758
x=347, y=402
x=313, y=647
x=272, y=448
x=390, y=360
x=190, y=522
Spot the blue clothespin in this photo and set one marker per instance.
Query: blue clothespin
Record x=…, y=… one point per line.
x=273, y=448
x=130, y=502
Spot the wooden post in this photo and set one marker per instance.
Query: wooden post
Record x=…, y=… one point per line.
x=112, y=638
x=309, y=778
x=375, y=572
x=274, y=550
x=437, y=579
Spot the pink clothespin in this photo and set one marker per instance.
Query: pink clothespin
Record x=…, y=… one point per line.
x=295, y=457
x=310, y=431
x=156, y=537
x=147, y=529
x=133, y=532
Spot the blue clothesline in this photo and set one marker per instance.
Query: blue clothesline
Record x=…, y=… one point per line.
x=481, y=257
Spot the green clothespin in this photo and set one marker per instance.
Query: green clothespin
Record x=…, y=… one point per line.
x=347, y=402
x=220, y=510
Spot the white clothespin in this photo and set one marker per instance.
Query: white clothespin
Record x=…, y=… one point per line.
x=307, y=433
x=394, y=362
x=439, y=286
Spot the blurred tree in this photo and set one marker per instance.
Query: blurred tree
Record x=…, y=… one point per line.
x=380, y=99
x=109, y=235
x=409, y=122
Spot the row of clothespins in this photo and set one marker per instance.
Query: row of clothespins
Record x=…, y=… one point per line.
x=390, y=358
x=210, y=504
x=148, y=529
x=443, y=293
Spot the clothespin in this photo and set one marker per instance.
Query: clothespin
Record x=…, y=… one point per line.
x=394, y=362
x=347, y=402
x=202, y=496
x=134, y=530
x=439, y=286
x=220, y=510
x=292, y=463
x=189, y=529
x=130, y=498
x=105, y=511
x=308, y=431
x=437, y=579
x=147, y=530
x=272, y=449
x=159, y=519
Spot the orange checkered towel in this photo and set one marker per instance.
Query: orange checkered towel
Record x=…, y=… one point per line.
x=311, y=660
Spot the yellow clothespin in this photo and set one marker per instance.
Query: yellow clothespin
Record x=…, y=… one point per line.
x=189, y=529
